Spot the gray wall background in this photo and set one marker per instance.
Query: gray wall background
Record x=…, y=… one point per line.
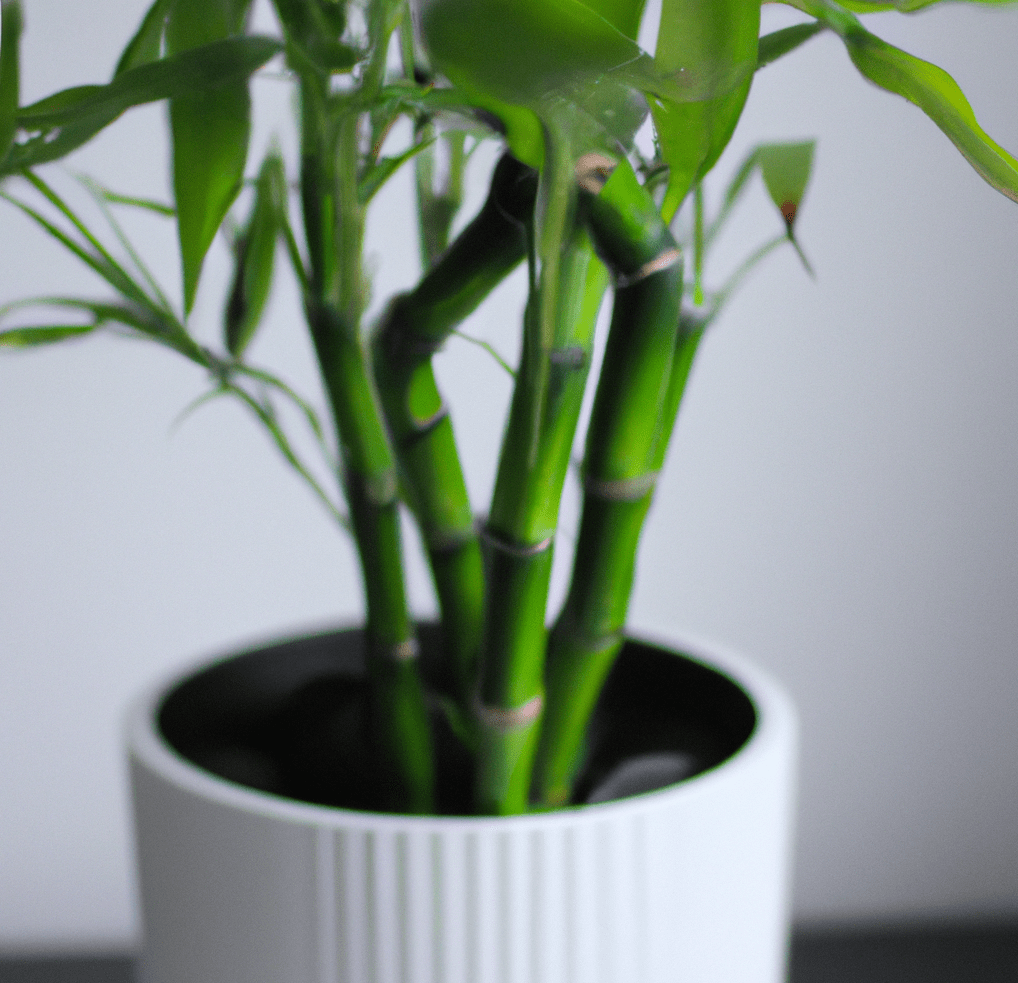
x=839, y=502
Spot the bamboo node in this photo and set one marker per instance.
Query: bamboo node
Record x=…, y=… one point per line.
x=505, y=719
x=405, y=651
x=620, y=489
x=660, y=262
x=448, y=540
x=510, y=547
x=422, y=426
x=377, y=489
x=573, y=357
x=593, y=170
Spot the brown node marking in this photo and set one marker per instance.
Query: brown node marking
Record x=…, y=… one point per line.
x=405, y=651
x=660, y=262
x=788, y=210
x=620, y=489
x=504, y=719
x=593, y=170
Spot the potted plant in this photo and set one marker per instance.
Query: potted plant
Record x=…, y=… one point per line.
x=489, y=712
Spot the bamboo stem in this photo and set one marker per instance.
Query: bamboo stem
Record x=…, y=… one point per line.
x=415, y=326
x=646, y=363
x=567, y=285
x=334, y=304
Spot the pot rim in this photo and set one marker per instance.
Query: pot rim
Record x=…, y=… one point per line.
x=776, y=724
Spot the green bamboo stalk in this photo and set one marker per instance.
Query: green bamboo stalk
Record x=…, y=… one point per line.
x=416, y=325
x=334, y=305
x=566, y=292
x=646, y=364
x=437, y=204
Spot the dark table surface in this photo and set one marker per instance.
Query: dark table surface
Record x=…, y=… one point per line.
x=846, y=954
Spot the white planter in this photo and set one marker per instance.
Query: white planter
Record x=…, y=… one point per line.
x=688, y=883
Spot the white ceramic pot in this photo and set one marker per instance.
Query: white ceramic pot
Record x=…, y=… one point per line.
x=686, y=884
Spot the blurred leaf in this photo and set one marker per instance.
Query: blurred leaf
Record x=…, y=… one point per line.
x=102, y=198
x=96, y=257
x=786, y=169
x=43, y=334
x=265, y=412
x=68, y=119
x=714, y=42
x=10, y=38
x=907, y=6
x=210, y=132
x=732, y=194
x=777, y=44
x=102, y=312
x=254, y=256
x=115, y=198
x=146, y=45
x=926, y=86
x=526, y=60
x=380, y=172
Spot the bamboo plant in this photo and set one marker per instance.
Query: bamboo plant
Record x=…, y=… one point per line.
x=564, y=85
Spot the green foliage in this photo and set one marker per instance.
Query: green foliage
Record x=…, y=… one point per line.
x=923, y=84
x=566, y=85
x=254, y=255
x=61, y=123
x=10, y=37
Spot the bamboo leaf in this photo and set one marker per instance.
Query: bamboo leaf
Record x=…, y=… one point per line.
x=101, y=313
x=109, y=271
x=302, y=404
x=254, y=257
x=786, y=169
x=44, y=334
x=267, y=417
x=210, y=132
x=146, y=45
x=777, y=44
x=115, y=198
x=489, y=348
x=10, y=38
x=707, y=39
x=371, y=183
x=926, y=86
x=66, y=120
x=102, y=198
x=906, y=6
x=732, y=194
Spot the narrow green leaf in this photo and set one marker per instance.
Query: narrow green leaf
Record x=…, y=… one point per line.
x=306, y=409
x=266, y=415
x=732, y=194
x=68, y=119
x=777, y=44
x=708, y=39
x=115, y=198
x=210, y=136
x=43, y=334
x=110, y=272
x=906, y=6
x=926, y=86
x=102, y=197
x=786, y=169
x=114, y=273
x=146, y=45
x=489, y=348
x=190, y=72
x=254, y=256
x=371, y=183
x=938, y=95
x=101, y=313
x=737, y=278
x=10, y=38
